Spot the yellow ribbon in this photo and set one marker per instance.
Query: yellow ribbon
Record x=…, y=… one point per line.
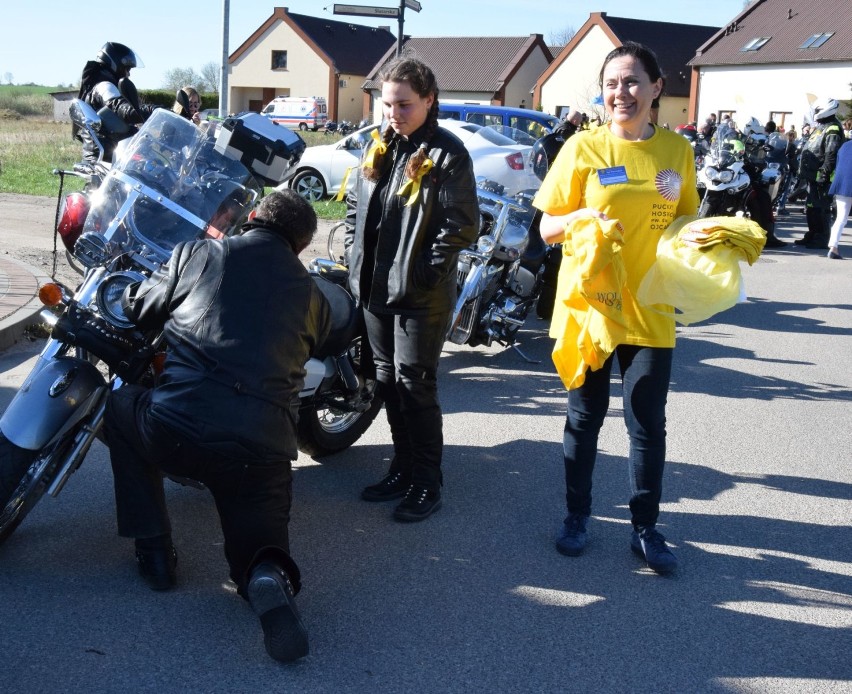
x=342, y=191
x=411, y=187
x=377, y=149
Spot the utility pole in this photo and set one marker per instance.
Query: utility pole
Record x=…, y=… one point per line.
x=223, y=72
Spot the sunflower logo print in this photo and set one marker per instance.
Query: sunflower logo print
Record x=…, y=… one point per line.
x=668, y=182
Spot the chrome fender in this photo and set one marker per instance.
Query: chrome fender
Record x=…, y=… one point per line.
x=63, y=391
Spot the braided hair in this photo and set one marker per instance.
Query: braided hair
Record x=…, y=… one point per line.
x=421, y=79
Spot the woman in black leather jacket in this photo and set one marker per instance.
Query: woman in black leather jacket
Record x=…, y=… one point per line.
x=414, y=208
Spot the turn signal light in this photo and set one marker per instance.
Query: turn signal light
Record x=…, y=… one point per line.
x=50, y=294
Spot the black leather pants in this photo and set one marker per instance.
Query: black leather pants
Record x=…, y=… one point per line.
x=406, y=351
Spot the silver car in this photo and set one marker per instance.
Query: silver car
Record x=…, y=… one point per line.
x=322, y=168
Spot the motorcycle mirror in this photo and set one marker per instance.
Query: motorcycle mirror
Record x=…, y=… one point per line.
x=128, y=91
x=83, y=115
x=182, y=99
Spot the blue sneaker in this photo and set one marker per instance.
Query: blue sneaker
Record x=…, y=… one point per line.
x=572, y=536
x=651, y=546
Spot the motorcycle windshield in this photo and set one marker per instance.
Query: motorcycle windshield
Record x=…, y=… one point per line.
x=169, y=185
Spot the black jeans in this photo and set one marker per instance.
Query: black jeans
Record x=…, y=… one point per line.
x=645, y=375
x=252, y=497
x=406, y=350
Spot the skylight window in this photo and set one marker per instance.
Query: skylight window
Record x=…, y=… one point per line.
x=817, y=40
x=755, y=44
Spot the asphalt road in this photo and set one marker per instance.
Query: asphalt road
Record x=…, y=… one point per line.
x=757, y=503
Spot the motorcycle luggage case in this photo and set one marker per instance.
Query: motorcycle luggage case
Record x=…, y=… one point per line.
x=267, y=149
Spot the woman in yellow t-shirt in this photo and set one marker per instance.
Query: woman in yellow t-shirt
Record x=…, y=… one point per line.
x=643, y=176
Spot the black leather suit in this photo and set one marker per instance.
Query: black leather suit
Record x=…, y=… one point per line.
x=818, y=160
x=403, y=266
x=241, y=317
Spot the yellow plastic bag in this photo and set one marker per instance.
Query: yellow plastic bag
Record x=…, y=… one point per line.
x=697, y=281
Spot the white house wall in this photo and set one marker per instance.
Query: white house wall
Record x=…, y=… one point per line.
x=520, y=87
x=252, y=71
x=576, y=81
x=759, y=91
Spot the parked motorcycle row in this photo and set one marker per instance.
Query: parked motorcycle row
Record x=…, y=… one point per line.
x=744, y=175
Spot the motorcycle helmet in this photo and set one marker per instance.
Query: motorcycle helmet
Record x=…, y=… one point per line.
x=825, y=109
x=118, y=58
x=544, y=151
x=753, y=127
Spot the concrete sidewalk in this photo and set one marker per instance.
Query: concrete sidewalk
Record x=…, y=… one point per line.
x=19, y=302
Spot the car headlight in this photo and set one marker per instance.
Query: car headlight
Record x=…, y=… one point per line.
x=109, y=297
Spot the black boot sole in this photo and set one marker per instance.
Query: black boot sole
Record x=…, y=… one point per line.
x=284, y=635
x=406, y=516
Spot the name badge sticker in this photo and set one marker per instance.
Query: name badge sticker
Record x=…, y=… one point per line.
x=614, y=174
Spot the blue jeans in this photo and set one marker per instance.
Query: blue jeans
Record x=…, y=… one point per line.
x=645, y=375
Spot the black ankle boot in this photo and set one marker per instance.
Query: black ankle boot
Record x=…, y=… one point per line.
x=392, y=486
x=157, y=560
x=270, y=594
x=419, y=503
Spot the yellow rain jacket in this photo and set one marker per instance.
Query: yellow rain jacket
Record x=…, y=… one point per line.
x=587, y=319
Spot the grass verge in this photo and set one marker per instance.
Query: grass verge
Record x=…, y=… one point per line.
x=32, y=147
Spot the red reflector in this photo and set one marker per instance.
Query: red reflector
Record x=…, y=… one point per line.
x=75, y=209
x=515, y=161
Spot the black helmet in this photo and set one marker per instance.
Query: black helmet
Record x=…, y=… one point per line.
x=544, y=151
x=117, y=56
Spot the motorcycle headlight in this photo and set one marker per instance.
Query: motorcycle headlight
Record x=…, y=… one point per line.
x=726, y=176
x=712, y=173
x=485, y=244
x=109, y=297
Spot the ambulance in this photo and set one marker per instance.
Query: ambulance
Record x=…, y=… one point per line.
x=298, y=112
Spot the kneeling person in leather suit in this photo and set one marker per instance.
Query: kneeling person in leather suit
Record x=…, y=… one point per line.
x=223, y=411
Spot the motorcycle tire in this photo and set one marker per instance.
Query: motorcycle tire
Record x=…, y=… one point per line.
x=21, y=484
x=322, y=432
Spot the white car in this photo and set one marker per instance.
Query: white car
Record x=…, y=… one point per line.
x=321, y=169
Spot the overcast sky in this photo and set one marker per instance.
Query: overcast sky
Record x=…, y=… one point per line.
x=48, y=41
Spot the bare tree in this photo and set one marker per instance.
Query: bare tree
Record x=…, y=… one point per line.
x=8, y=76
x=210, y=78
x=561, y=38
x=179, y=77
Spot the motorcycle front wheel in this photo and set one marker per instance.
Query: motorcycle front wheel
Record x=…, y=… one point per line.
x=23, y=481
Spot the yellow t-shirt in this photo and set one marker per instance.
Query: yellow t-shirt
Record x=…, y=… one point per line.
x=645, y=185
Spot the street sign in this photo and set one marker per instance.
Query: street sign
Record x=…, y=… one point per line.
x=367, y=10
x=413, y=5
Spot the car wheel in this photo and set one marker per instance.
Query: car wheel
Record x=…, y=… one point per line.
x=309, y=185
x=303, y=127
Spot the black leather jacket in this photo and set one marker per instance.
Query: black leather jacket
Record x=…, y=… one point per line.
x=99, y=88
x=819, y=155
x=241, y=318
x=416, y=250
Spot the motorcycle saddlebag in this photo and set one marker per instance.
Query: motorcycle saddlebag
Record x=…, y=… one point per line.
x=267, y=149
